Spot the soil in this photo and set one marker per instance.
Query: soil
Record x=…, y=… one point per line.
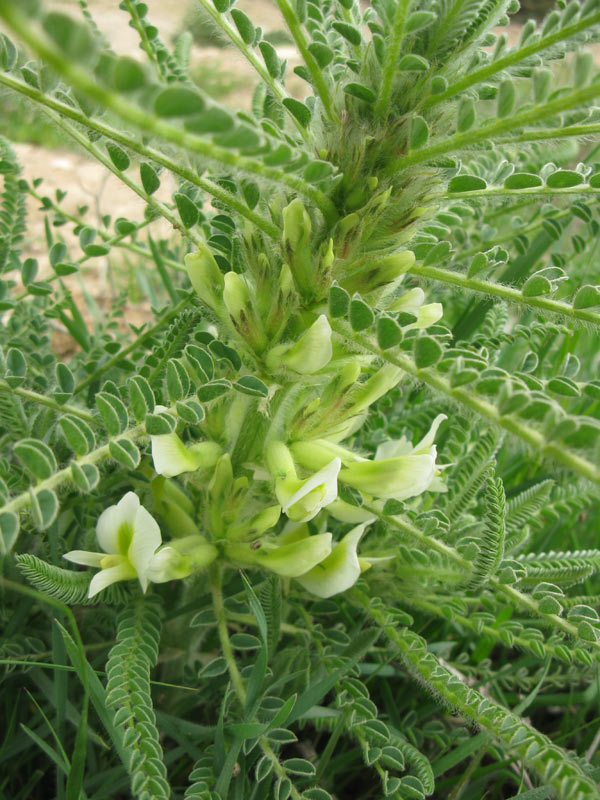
x=88, y=183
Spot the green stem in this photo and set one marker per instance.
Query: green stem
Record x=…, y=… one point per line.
x=277, y=89
x=45, y=400
x=96, y=153
x=136, y=343
x=488, y=131
x=507, y=293
x=216, y=588
x=553, y=450
x=316, y=73
x=134, y=144
x=494, y=192
x=144, y=41
x=539, y=134
x=392, y=52
x=512, y=58
x=502, y=723
x=522, y=642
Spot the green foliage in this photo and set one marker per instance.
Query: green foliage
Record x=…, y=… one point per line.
x=293, y=358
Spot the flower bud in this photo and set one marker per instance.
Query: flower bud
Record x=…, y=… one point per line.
x=171, y=457
x=206, y=277
x=371, y=390
x=391, y=478
x=180, y=558
x=283, y=303
x=256, y=525
x=288, y=560
x=380, y=273
x=411, y=302
x=241, y=310
x=300, y=499
x=339, y=571
x=297, y=229
x=309, y=354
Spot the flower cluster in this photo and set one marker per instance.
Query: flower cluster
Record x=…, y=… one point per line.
x=321, y=390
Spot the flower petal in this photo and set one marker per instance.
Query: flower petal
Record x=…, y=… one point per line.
x=171, y=457
x=104, y=578
x=85, y=557
x=287, y=560
x=426, y=442
x=313, y=350
x=322, y=486
x=339, y=571
x=111, y=520
x=146, y=540
x=394, y=478
x=345, y=512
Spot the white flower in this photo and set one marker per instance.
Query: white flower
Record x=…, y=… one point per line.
x=289, y=559
x=180, y=558
x=399, y=470
x=171, y=457
x=309, y=354
x=129, y=536
x=411, y=302
x=339, y=571
x=302, y=500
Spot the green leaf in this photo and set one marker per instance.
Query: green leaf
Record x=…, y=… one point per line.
x=78, y=434
x=244, y=25
x=427, y=351
x=466, y=183
x=322, y=53
x=178, y=380
x=419, y=132
x=298, y=110
x=419, y=20
x=412, y=63
x=299, y=766
x=178, y=101
x=141, y=397
x=361, y=315
x=587, y=296
x=535, y=286
x=522, y=180
x=270, y=58
x=187, y=209
x=210, y=391
x=85, y=476
x=160, y=424
x=65, y=378
x=348, y=31
x=118, y=156
x=190, y=412
x=44, y=508
x=72, y=37
x=149, y=176
x=506, y=98
x=564, y=179
x=129, y=75
x=361, y=92
x=213, y=120
x=125, y=452
x=466, y=114
x=248, y=384
x=9, y=530
x=113, y=412
x=339, y=301
x=37, y=457
x=389, y=333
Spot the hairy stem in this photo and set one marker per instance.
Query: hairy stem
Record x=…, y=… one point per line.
x=508, y=293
